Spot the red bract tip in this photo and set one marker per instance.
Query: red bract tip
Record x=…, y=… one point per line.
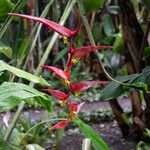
x=57, y=94
x=51, y=24
x=81, y=86
x=82, y=51
x=73, y=110
x=60, y=124
x=75, y=107
x=57, y=72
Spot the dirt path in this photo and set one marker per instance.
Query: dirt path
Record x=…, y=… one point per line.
x=91, y=106
x=109, y=132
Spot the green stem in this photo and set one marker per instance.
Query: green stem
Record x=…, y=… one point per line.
x=45, y=121
x=13, y=123
x=88, y=30
x=42, y=62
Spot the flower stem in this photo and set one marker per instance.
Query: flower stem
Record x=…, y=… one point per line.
x=14, y=121
x=42, y=62
x=88, y=30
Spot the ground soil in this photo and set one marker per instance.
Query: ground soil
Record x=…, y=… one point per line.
x=109, y=131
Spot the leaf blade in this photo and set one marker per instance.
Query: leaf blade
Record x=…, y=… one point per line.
x=11, y=94
x=88, y=132
x=22, y=74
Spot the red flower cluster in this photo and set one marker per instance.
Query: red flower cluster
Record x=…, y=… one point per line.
x=64, y=75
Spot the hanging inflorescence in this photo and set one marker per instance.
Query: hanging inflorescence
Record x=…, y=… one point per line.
x=74, y=56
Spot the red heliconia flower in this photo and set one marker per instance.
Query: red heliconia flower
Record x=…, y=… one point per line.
x=75, y=107
x=59, y=73
x=61, y=96
x=82, y=86
x=73, y=110
x=58, y=94
x=60, y=124
x=51, y=24
x=82, y=51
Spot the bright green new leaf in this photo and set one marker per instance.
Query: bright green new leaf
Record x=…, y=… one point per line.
x=22, y=74
x=88, y=132
x=11, y=94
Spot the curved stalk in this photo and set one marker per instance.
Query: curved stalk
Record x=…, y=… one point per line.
x=45, y=121
x=88, y=30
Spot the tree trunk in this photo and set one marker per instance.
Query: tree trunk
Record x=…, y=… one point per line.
x=133, y=37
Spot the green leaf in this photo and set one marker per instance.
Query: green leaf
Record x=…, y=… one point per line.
x=14, y=141
x=22, y=74
x=46, y=104
x=135, y=81
x=5, y=50
x=146, y=3
x=13, y=93
x=5, y=25
x=146, y=52
x=111, y=91
x=23, y=49
x=4, y=146
x=59, y=55
x=114, y=90
x=92, y=5
x=3, y=77
x=108, y=26
x=88, y=132
x=142, y=77
x=16, y=137
x=6, y=6
x=113, y=9
x=118, y=44
x=1, y=73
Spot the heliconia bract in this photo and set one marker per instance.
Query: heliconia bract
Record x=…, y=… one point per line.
x=51, y=24
x=82, y=51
